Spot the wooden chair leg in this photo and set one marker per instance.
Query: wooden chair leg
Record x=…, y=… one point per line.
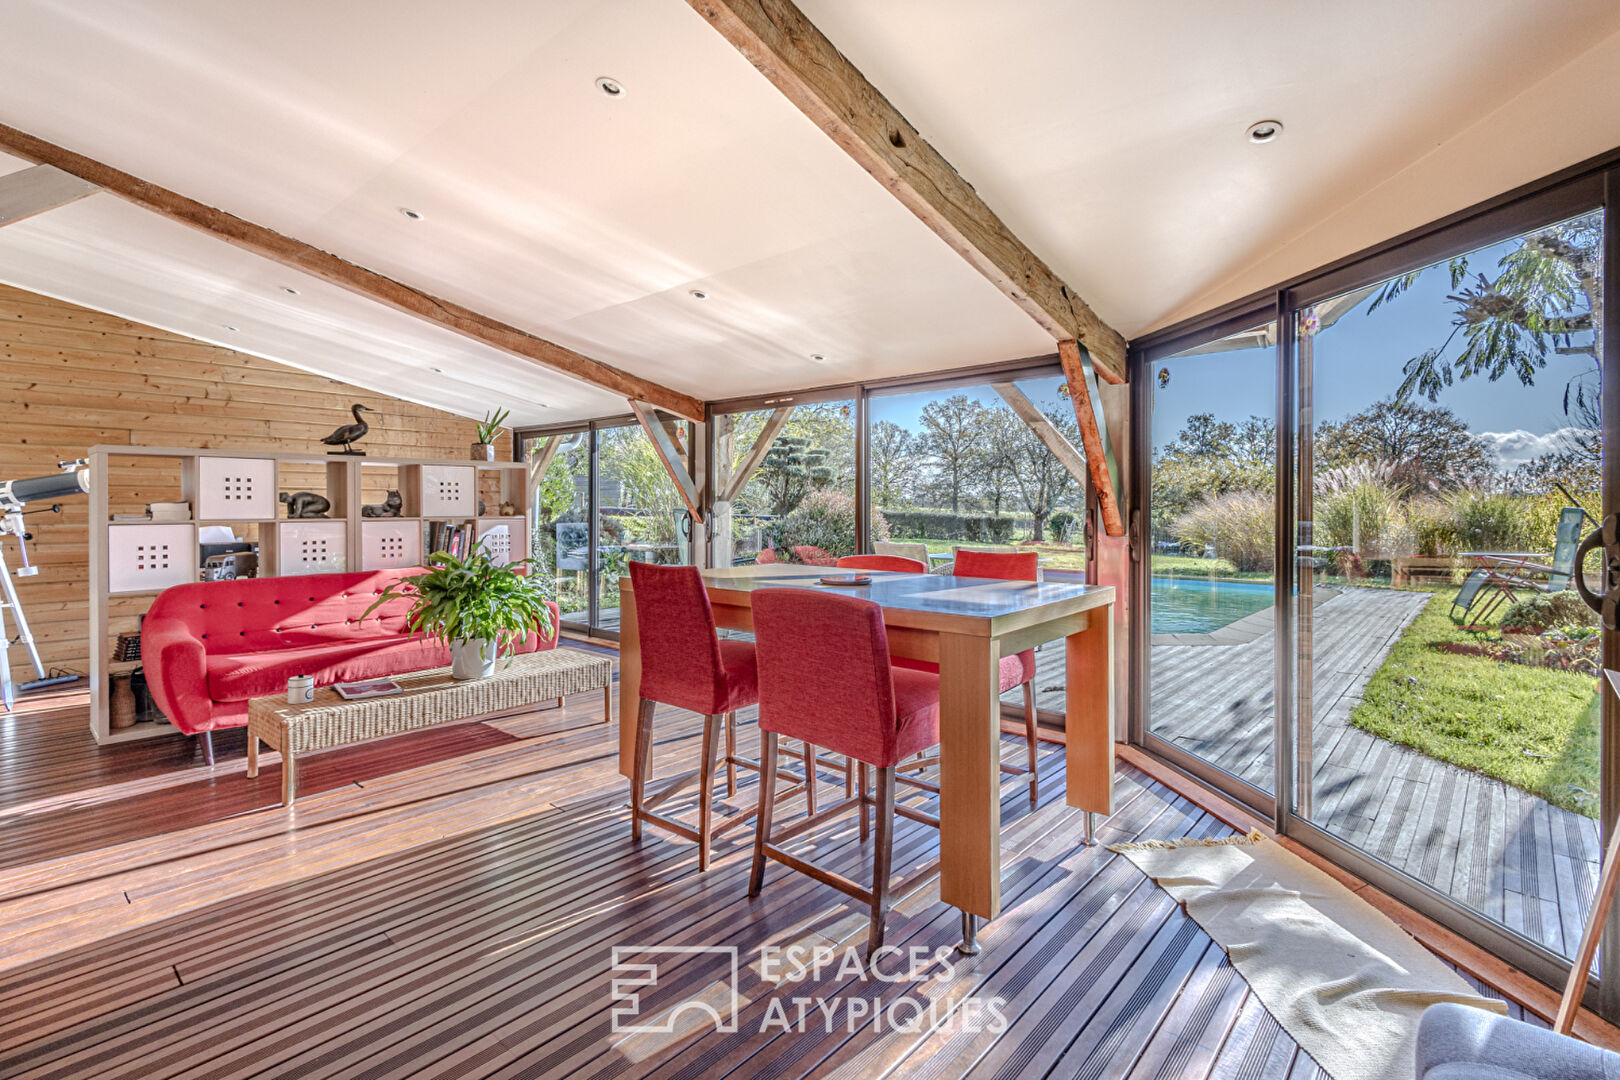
x=767, y=804
x=882, y=857
x=643, y=761
x=731, y=754
x=1033, y=738
x=711, y=734
x=607, y=704
x=866, y=807
x=253, y=756
x=849, y=778
x=810, y=778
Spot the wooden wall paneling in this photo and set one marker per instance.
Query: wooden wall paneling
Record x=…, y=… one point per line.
x=76, y=378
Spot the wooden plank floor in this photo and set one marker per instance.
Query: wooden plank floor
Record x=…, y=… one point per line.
x=456, y=917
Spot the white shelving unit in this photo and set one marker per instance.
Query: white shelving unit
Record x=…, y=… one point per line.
x=131, y=562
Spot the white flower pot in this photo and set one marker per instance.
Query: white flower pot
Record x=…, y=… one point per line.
x=473, y=658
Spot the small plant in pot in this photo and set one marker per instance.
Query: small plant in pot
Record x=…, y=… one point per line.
x=489, y=429
x=480, y=608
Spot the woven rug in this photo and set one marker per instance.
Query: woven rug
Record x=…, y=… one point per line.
x=1345, y=982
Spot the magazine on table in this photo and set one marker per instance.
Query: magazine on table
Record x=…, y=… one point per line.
x=366, y=688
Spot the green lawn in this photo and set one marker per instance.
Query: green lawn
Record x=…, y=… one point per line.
x=1534, y=728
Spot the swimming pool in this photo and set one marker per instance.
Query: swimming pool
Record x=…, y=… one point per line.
x=1199, y=605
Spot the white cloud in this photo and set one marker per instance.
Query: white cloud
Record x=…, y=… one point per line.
x=1513, y=448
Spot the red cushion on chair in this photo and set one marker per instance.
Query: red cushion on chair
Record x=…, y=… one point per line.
x=1005, y=565
x=898, y=563
x=1014, y=670
x=683, y=663
x=824, y=677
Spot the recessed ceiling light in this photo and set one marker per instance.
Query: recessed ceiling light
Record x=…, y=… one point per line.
x=227, y=326
x=438, y=370
x=1265, y=131
x=289, y=290
x=818, y=357
x=612, y=87
x=414, y=215
x=699, y=294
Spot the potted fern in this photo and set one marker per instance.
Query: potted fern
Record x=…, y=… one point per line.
x=489, y=429
x=478, y=607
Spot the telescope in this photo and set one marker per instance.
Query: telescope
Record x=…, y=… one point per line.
x=74, y=479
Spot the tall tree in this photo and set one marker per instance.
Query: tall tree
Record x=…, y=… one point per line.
x=953, y=435
x=1427, y=448
x=1037, y=479
x=893, y=455
x=792, y=467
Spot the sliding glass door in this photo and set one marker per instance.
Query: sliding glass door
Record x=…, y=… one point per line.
x=1449, y=443
x=1211, y=529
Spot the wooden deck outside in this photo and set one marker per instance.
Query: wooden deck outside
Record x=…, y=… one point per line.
x=457, y=919
x=1508, y=854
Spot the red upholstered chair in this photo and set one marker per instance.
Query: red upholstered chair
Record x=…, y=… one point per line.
x=1017, y=670
x=685, y=664
x=811, y=555
x=860, y=707
x=896, y=563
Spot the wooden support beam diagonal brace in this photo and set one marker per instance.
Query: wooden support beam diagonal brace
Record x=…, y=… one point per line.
x=756, y=453
x=1093, y=435
x=1054, y=440
x=37, y=189
x=298, y=255
x=670, y=454
x=540, y=460
x=789, y=51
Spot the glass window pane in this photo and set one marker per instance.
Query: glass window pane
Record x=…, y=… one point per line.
x=1449, y=449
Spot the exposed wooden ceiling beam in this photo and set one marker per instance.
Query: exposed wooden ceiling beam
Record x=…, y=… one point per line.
x=671, y=456
x=1053, y=439
x=1085, y=412
x=37, y=189
x=346, y=275
x=788, y=49
x=734, y=484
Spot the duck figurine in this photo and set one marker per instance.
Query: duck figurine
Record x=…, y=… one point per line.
x=350, y=433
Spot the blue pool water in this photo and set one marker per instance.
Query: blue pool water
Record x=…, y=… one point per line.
x=1199, y=606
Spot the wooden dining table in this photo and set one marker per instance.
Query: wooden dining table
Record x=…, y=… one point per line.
x=965, y=625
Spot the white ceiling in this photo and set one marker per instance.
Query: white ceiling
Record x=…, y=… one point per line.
x=1109, y=136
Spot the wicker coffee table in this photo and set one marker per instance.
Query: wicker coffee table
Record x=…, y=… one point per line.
x=429, y=698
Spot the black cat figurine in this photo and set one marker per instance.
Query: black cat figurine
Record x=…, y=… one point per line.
x=389, y=507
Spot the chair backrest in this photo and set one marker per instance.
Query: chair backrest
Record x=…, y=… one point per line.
x=1006, y=565
x=811, y=555
x=766, y=556
x=905, y=551
x=882, y=562
x=1566, y=540
x=680, y=651
x=1471, y=585
x=824, y=672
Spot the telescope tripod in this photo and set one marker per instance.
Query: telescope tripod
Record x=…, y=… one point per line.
x=12, y=523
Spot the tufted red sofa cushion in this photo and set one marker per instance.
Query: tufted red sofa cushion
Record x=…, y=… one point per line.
x=211, y=646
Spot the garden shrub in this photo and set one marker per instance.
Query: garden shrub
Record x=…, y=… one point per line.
x=1368, y=516
x=1238, y=524
x=944, y=525
x=1433, y=527
x=1492, y=521
x=1060, y=526
x=1543, y=611
x=825, y=519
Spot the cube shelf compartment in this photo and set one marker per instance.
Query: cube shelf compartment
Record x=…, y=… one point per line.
x=390, y=543
x=146, y=558
x=235, y=489
x=311, y=547
x=504, y=538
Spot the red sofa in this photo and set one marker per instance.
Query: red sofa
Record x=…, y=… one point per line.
x=211, y=646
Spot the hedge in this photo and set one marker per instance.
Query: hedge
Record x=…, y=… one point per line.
x=944, y=525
